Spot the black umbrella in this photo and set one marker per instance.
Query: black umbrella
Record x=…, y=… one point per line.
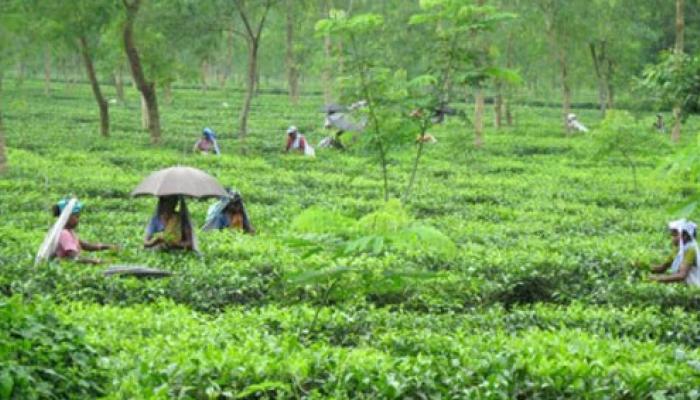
x=333, y=108
x=137, y=271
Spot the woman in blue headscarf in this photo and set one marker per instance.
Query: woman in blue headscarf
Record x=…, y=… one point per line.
x=68, y=244
x=207, y=143
x=229, y=212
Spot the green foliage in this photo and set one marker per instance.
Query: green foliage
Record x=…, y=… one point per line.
x=43, y=357
x=269, y=352
x=320, y=220
x=522, y=251
x=388, y=219
x=675, y=81
x=370, y=77
x=620, y=134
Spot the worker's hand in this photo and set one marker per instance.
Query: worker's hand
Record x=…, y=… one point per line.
x=93, y=261
x=653, y=278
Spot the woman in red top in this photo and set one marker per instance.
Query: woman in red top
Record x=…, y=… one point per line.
x=297, y=141
x=69, y=244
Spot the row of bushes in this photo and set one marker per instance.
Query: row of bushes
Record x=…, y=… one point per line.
x=165, y=351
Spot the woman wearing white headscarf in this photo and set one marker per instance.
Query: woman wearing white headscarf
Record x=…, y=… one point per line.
x=296, y=141
x=683, y=266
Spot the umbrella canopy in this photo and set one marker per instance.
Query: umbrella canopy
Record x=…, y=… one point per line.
x=136, y=270
x=333, y=108
x=48, y=246
x=184, y=181
x=340, y=121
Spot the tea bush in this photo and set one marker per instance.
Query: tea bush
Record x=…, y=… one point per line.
x=44, y=357
x=515, y=271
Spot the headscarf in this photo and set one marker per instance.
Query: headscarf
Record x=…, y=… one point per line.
x=216, y=218
x=292, y=129
x=77, y=207
x=209, y=134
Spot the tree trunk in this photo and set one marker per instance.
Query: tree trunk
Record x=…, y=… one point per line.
x=678, y=49
x=479, y=118
x=147, y=89
x=292, y=71
x=257, y=81
x=250, y=88
x=75, y=71
x=680, y=26
x=203, y=73
x=326, y=73
x=559, y=53
x=228, y=63
x=498, y=107
x=565, y=88
x=508, y=112
x=599, y=60
x=168, y=92
x=610, y=89
x=47, y=70
x=509, y=88
x=145, y=121
x=92, y=77
x=3, y=159
x=676, y=131
x=119, y=83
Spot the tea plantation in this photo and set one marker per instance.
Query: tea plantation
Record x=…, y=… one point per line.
x=519, y=270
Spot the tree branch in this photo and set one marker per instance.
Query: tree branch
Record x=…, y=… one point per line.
x=264, y=16
x=244, y=17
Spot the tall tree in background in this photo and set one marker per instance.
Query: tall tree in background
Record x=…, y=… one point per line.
x=678, y=50
x=290, y=59
x=557, y=35
x=326, y=78
x=252, y=33
x=599, y=45
x=11, y=22
x=147, y=88
x=454, y=59
x=81, y=26
x=102, y=104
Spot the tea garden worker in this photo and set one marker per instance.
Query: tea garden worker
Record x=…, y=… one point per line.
x=426, y=139
x=659, y=125
x=573, y=124
x=297, y=141
x=69, y=245
x=229, y=212
x=683, y=266
x=207, y=143
x=169, y=228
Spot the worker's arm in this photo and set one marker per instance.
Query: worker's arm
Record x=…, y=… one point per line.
x=97, y=246
x=186, y=241
x=148, y=243
x=289, y=145
x=677, y=277
x=73, y=255
x=657, y=269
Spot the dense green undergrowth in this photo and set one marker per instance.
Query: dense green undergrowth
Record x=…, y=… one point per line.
x=515, y=271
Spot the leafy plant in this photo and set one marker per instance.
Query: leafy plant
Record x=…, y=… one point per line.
x=621, y=134
x=43, y=357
